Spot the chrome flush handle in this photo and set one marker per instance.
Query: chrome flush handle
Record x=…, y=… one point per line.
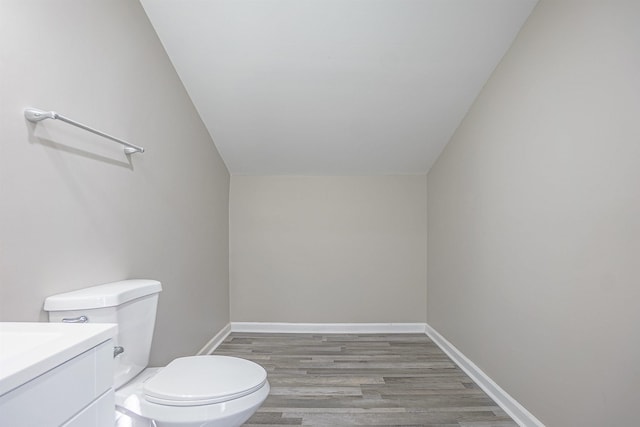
x=79, y=319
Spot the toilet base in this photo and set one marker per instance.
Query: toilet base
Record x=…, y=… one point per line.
x=133, y=410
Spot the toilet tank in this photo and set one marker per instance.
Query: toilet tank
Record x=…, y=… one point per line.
x=131, y=304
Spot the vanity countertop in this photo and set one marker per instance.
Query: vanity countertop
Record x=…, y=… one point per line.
x=29, y=349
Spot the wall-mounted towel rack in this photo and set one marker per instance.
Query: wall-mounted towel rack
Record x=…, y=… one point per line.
x=35, y=115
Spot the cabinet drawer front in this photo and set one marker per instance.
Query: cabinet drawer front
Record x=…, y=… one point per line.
x=56, y=396
x=100, y=413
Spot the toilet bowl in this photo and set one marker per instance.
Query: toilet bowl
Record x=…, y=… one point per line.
x=227, y=407
x=202, y=391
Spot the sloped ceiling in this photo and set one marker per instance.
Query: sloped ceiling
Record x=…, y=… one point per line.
x=334, y=87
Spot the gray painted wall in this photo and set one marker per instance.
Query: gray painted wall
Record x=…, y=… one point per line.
x=328, y=249
x=534, y=218
x=75, y=211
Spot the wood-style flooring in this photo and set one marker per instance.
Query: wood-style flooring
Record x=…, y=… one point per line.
x=368, y=379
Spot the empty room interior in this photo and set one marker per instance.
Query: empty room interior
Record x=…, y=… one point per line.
x=463, y=172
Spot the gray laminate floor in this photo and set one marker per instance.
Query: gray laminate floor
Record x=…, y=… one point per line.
x=335, y=379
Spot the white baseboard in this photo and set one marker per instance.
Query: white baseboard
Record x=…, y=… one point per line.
x=215, y=341
x=329, y=328
x=511, y=406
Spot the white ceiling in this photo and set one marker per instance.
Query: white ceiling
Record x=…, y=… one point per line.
x=334, y=87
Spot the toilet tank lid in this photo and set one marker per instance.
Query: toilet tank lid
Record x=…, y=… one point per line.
x=107, y=295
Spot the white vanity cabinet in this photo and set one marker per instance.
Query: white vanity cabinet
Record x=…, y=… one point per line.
x=75, y=390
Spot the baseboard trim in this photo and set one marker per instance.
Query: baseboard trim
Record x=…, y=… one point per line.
x=214, y=342
x=511, y=406
x=329, y=328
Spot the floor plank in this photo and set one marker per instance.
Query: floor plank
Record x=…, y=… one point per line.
x=368, y=379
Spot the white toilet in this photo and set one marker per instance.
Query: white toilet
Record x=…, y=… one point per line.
x=202, y=391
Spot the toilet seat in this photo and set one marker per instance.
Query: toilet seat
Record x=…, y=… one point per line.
x=204, y=380
x=137, y=411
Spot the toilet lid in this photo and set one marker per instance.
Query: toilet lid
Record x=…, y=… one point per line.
x=203, y=380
